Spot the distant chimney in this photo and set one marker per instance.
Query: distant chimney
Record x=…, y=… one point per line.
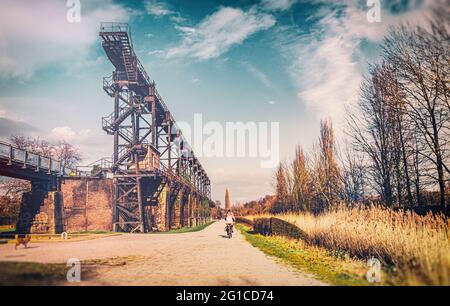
x=227, y=200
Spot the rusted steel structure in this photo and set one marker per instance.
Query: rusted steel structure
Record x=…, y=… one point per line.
x=150, y=153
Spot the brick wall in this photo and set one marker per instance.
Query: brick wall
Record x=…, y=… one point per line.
x=87, y=204
x=160, y=211
x=40, y=210
x=49, y=218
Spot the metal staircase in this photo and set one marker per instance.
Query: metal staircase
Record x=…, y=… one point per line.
x=110, y=125
x=119, y=48
x=124, y=154
x=129, y=60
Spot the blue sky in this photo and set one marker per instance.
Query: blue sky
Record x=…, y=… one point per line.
x=289, y=61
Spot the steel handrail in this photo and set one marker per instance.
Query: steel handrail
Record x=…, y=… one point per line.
x=30, y=158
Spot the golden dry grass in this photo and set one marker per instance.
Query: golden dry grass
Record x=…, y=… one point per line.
x=417, y=246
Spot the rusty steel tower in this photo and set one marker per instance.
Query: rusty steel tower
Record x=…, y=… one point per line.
x=150, y=153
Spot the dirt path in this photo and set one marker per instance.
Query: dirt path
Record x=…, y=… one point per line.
x=198, y=258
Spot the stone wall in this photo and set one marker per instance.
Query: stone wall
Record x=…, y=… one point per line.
x=159, y=212
x=49, y=219
x=40, y=210
x=87, y=205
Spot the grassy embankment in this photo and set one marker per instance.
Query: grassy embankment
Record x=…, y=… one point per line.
x=88, y=235
x=38, y=274
x=173, y=231
x=187, y=229
x=415, y=250
x=30, y=274
x=7, y=228
x=329, y=268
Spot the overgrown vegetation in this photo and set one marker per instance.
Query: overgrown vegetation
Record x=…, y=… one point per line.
x=327, y=267
x=417, y=247
x=38, y=274
x=360, y=200
x=7, y=228
x=93, y=232
x=31, y=274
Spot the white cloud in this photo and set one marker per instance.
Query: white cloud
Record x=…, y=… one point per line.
x=258, y=74
x=156, y=52
x=161, y=9
x=8, y=114
x=217, y=33
x=92, y=145
x=177, y=18
x=157, y=8
x=277, y=5
x=34, y=34
x=329, y=63
x=66, y=133
x=195, y=81
x=329, y=79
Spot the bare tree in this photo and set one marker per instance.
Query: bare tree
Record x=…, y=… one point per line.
x=282, y=192
x=353, y=176
x=21, y=142
x=327, y=176
x=421, y=65
x=371, y=127
x=11, y=187
x=395, y=100
x=301, y=188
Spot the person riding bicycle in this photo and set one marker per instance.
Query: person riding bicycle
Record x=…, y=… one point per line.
x=230, y=219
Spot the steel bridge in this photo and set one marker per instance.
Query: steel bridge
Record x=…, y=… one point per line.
x=150, y=153
x=43, y=172
x=22, y=164
x=152, y=167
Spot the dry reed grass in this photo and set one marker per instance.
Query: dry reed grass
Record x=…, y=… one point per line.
x=417, y=246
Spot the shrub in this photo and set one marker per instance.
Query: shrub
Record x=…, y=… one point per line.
x=284, y=228
x=262, y=226
x=244, y=221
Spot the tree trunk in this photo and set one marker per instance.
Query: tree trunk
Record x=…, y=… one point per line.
x=405, y=165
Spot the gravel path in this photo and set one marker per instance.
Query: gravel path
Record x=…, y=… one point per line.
x=198, y=258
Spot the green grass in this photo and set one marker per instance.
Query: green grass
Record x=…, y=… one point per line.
x=92, y=232
x=174, y=231
x=31, y=274
x=317, y=261
x=187, y=229
x=7, y=228
x=37, y=274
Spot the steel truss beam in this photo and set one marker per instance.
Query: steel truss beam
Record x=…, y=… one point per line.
x=149, y=151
